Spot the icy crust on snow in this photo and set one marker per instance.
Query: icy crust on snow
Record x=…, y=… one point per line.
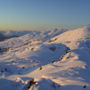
x=60, y=62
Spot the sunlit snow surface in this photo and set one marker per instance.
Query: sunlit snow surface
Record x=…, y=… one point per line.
x=56, y=60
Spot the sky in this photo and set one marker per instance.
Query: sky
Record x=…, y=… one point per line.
x=43, y=14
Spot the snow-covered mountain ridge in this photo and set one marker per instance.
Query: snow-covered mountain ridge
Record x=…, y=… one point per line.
x=51, y=61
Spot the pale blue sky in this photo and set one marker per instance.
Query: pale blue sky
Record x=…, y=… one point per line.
x=43, y=14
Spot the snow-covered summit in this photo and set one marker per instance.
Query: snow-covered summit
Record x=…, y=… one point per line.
x=73, y=38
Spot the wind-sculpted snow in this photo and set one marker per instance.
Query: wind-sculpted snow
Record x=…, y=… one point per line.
x=21, y=60
x=47, y=61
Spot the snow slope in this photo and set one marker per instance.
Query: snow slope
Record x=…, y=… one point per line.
x=56, y=62
x=42, y=35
